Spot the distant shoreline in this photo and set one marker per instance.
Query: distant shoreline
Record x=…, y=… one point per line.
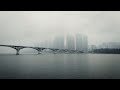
x=56, y=54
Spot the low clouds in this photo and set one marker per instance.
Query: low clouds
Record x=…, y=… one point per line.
x=38, y=26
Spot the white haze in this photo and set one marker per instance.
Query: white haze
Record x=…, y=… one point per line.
x=31, y=27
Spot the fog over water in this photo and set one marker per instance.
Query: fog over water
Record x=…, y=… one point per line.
x=25, y=27
x=60, y=66
x=29, y=28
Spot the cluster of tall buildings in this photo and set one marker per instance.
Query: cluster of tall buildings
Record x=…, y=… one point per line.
x=71, y=42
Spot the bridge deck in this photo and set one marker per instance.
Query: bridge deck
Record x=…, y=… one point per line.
x=37, y=47
x=20, y=46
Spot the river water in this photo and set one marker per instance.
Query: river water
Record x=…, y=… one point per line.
x=60, y=66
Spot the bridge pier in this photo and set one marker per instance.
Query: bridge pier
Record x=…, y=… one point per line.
x=40, y=52
x=54, y=51
x=17, y=48
x=17, y=52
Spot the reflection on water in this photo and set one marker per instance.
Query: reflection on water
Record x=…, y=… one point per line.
x=60, y=66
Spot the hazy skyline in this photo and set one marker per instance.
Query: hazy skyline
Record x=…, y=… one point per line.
x=26, y=27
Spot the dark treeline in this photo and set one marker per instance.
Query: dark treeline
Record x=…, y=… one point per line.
x=107, y=51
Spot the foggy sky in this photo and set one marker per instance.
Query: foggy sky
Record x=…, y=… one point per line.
x=27, y=27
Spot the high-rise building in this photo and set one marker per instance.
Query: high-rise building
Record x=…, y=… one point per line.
x=70, y=42
x=58, y=42
x=81, y=42
x=84, y=43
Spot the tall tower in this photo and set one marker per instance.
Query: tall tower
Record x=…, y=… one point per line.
x=58, y=42
x=79, y=42
x=85, y=43
x=70, y=42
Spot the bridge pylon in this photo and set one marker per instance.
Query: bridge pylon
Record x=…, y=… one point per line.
x=17, y=52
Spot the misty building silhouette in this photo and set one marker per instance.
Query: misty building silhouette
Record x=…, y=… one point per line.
x=81, y=42
x=58, y=42
x=85, y=43
x=111, y=45
x=70, y=42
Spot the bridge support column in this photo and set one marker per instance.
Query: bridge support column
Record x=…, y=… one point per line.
x=17, y=48
x=54, y=51
x=17, y=52
x=40, y=52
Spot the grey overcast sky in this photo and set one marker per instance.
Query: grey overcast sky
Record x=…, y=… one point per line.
x=26, y=27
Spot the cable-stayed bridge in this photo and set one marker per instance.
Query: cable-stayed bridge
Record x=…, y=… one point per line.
x=40, y=49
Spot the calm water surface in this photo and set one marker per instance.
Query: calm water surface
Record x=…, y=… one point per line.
x=60, y=66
